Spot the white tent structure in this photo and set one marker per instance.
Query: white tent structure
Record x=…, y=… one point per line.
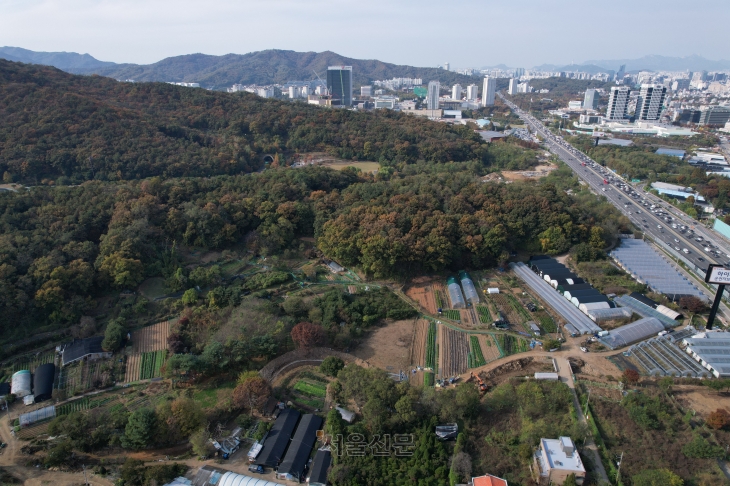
x=233, y=479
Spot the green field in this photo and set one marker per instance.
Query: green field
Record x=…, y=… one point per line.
x=452, y=314
x=363, y=166
x=431, y=346
x=152, y=363
x=485, y=317
x=476, y=352
x=510, y=344
x=311, y=389
x=153, y=288
x=546, y=322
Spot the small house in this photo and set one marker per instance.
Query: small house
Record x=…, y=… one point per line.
x=556, y=459
x=488, y=480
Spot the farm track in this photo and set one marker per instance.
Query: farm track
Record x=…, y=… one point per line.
x=453, y=352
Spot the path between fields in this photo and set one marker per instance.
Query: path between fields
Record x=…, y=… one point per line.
x=566, y=376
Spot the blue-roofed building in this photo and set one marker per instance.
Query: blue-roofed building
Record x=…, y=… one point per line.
x=673, y=190
x=671, y=152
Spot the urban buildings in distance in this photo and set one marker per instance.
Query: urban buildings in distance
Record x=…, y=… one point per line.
x=490, y=87
x=432, y=99
x=339, y=85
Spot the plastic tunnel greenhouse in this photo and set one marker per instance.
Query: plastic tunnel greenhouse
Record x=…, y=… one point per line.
x=470, y=292
x=457, y=298
x=634, y=332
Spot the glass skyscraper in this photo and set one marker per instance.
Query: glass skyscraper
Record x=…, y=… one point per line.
x=339, y=84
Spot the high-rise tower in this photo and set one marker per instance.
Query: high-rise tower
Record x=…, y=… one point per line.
x=618, y=102
x=650, y=102
x=339, y=84
x=432, y=99
x=490, y=86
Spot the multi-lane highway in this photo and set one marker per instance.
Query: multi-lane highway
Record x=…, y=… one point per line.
x=647, y=212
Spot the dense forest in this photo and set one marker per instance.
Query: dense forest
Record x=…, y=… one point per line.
x=76, y=128
x=62, y=246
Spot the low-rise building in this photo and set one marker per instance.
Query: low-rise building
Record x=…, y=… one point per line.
x=711, y=350
x=488, y=480
x=556, y=459
x=79, y=349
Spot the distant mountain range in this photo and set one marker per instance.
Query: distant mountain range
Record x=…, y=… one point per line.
x=664, y=63
x=262, y=67
x=584, y=68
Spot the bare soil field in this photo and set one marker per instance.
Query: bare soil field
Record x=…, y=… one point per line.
x=421, y=291
x=388, y=347
x=467, y=319
x=453, y=352
x=489, y=347
x=538, y=172
x=418, y=346
x=700, y=399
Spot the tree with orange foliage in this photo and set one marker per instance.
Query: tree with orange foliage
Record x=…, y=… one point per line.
x=718, y=419
x=252, y=393
x=630, y=377
x=306, y=334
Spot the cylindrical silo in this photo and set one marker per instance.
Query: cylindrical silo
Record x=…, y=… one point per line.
x=20, y=384
x=457, y=298
x=470, y=292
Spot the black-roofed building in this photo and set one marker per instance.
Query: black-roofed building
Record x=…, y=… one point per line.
x=43, y=382
x=4, y=389
x=277, y=440
x=79, y=349
x=644, y=299
x=320, y=466
x=294, y=462
x=572, y=288
x=540, y=257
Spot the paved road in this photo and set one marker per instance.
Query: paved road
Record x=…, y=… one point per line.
x=629, y=201
x=566, y=376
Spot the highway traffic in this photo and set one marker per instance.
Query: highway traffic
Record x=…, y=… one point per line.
x=684, y=237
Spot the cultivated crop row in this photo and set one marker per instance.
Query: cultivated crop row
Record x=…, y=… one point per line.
x=151, y=364
x=439, y=299
x=511, y=344
x=310, y=389
x=431, y=346
x=452, y=314
x=476, y=352
x=517, y=307
x=485, y=317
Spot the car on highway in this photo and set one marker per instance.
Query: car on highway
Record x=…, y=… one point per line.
x=685, y=250
x=659, y=226
x=676, y=248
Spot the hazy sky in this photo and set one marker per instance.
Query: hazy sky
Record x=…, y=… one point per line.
x=466, y=33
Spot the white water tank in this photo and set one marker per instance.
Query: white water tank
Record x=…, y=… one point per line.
x=20, y=384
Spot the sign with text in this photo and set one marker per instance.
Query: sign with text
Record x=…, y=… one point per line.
x=718, y=274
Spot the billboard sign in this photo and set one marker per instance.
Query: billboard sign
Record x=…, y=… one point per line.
x=718, y=274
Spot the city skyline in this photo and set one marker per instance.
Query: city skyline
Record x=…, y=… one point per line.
x=143, y=32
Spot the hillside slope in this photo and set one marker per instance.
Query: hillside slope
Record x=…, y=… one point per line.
x=90, y=127
x=268, y=67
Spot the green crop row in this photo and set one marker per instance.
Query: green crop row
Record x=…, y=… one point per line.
x=485, y=317
x=428, y=379
x=476, y=351
x=518, y=308
x=452, y=314
x=431, y=346
x=151, y=364
x=310, y=389
x=439, y=300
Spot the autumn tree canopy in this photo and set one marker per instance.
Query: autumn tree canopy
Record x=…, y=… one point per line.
x=306, y=334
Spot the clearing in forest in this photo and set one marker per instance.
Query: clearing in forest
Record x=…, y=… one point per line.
x=421, y=291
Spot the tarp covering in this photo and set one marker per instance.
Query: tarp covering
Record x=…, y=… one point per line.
x=631, y=333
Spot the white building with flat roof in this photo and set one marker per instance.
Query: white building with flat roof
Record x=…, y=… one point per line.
x=650, y=102
x=490, y=87
x=512, y=86
x=456, y=91
x=472, y=92
x=556, y=459
x=432, y=99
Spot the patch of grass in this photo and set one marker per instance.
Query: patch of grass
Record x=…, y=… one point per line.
x=309, y=402
x=207, y=398
x=485, y=317
x=153, y=287
x=452, y=314
x=310, y=389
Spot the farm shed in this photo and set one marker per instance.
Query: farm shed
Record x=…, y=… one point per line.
x=573, y=287
x=711, y=350
x=565, y=282
x=470, y=292
x=575, y=293
x=492, y=290
x=277, y=440
x=587, y=299
x=20, y=384
x=534, y=327
x=235, y=479
x=644, y=299
x=631, y=333
x=643, y=310
x=335, y=267
x=546, y=376
x=448, y=431
x=553, y=278
x=601, y=315
x=320, y=466
x=295, y=460
x=43, y=381
x=540, y=267
x=36, y=416
x=79, y=349
x=668, y=312
x=587, y=307
x=455, y=295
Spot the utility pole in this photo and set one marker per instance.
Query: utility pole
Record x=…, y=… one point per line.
x=618, y=471
x=86, y=481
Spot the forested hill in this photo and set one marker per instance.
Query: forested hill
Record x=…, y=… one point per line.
x=262, y=67
x=55, y=124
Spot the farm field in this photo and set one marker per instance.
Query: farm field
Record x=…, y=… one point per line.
x=511, y=344
x=452, y=314
x=309, y=389
x=151, y=363
x=418, y=348
x=489, y=347
x=467, y=318
x=547, y=324
x=28, y=362
x=476, y=357
x=431, y=346
x=146, y=340
x=485, y=317
x=454, y=352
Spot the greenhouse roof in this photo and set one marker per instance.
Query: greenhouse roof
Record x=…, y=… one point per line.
x=631, y=333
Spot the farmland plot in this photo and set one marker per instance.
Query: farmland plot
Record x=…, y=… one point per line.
x=489, y=347
x=422, y=292
x=150, y=339
x=431, y=346
x=418, y=348
x=454, y=352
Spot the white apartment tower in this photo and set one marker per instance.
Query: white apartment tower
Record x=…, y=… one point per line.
x=617, y=103
x=589, y=101
x=650, y=102
x=490, y=86
x=432, y=99
x=472, y=92
x=456, y=91
x=512, y=86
